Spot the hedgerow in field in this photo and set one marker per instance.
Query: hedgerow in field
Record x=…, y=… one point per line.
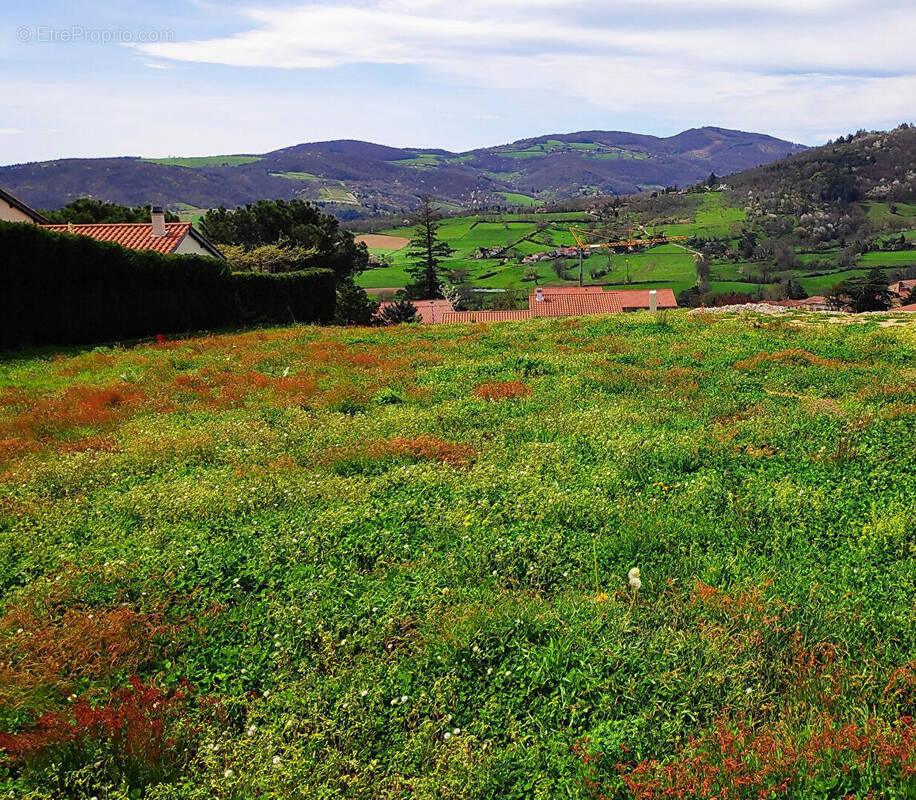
x=401, y=563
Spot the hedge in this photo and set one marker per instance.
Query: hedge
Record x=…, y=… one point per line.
x=288, y=297
x=58, y=288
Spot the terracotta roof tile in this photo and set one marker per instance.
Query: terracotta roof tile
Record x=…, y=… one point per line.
x=134, y=235
x=574, y=305
x=639, y=298
x=485, y=316
x=909, y=307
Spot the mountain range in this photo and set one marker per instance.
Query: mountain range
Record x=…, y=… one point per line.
x=355, y=178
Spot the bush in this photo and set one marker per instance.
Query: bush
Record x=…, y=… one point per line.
x=402, y=311
x=58, y=288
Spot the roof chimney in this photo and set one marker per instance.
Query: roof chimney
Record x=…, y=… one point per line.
x=539, y=295
x=653, y=300
x=158, y=218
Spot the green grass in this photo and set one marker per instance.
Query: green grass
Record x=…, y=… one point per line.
x=204, y=161
x=421, y=160
x=516, y=199
x=901, y=258
x=821, y=284
x=297, y=176
x=375, y=583
x=338, y=194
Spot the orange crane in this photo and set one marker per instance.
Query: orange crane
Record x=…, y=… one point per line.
x=583, y=245
x=578, y=234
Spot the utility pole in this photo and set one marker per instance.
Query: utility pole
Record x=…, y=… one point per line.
x=580, y=266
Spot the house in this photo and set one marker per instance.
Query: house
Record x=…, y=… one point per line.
x=816, y=303
x=157, y=235
x=544, y=303
x=641, y=300
x=429, y=312
x=485, y=316
x=902, y=289
x=12, y=209
x=571, y=301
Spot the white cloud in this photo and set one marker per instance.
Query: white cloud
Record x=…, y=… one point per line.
x=796, y=67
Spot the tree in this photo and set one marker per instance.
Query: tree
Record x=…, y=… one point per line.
x=398, y=312
x=85, y=211
x=354, y=306
x=869, y=292
x=426, y=254
x=701, y=263
x=296, y=223
x=792, y=290
x=269, y=258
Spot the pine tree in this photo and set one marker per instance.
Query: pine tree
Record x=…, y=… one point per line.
x=426, y=254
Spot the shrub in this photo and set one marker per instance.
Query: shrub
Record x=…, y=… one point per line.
x=396, y=313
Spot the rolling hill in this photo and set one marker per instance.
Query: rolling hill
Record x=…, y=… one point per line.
x=356, y=178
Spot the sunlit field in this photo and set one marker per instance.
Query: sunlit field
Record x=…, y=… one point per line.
x=393, y=563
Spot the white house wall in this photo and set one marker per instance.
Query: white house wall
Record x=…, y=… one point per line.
x=10, y=213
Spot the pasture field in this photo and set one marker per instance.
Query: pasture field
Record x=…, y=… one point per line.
x=379, y=242
x=381, y=563
x=196, y=162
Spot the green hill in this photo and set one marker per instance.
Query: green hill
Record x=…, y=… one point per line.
x=810, y=217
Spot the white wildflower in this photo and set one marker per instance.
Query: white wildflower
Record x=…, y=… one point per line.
x=228, y=773
x=276, y=760
x=633, y=578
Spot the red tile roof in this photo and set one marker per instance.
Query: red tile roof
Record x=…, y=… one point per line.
x=484, y=316
x=574, y=305
x=428, y=311
x=909, y=307
x=639, y=298
x=134, y=235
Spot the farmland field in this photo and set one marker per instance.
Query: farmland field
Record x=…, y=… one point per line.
x=196, y=162
x=706, y=216
x=379, y=563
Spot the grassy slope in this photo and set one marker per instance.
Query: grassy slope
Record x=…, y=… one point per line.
x=314, y=559
x=205, y=161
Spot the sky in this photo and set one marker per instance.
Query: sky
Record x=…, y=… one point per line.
x=202, y=77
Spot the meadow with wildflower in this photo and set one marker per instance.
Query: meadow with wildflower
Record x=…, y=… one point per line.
x=621, y=557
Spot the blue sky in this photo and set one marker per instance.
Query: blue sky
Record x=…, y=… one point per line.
x=190, y=77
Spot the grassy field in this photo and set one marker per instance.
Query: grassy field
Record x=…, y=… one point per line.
x=672, y=265
x=378, y=563
x=298, y=176
x=195, y=162
x=667, y=266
